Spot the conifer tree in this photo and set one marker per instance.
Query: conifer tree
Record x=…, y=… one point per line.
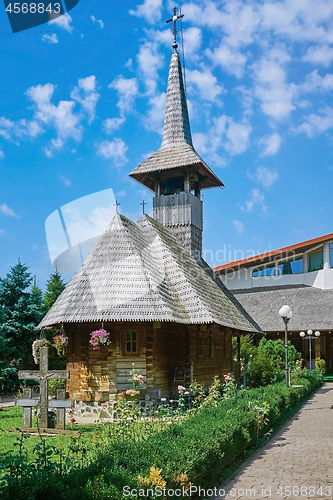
x=20, y=313
x=54, y=287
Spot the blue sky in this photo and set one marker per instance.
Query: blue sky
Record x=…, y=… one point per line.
x=82, y=103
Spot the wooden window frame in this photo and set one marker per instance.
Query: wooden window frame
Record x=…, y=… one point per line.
x=124, y=342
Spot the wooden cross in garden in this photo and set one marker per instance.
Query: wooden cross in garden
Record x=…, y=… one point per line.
x=44, y=375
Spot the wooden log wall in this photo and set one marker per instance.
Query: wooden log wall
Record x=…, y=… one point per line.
x=98, y=375
x=216, y=355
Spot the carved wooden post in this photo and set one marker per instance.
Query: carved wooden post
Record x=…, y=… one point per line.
x=27, y=411
x=60, y=412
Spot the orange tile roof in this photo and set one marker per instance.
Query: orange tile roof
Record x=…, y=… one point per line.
x=267, y=257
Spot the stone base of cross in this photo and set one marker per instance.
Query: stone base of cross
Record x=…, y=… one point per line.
x=44, y=375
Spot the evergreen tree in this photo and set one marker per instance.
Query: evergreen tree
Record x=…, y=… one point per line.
x=54, y=287
x=20, y=313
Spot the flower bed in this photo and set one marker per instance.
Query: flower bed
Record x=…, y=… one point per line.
x=196, y=449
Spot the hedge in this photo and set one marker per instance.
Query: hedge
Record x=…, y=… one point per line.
x=203, y=446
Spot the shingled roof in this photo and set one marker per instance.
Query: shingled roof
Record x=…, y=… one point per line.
x=312, y=307
x=141, y=272
x=177, y=149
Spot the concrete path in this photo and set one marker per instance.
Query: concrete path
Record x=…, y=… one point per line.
x=296, y=463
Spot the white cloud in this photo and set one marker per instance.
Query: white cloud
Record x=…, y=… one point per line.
x=230, y=59
x=2, y=154
x=319, y=54
x=62, y=117
x=21, y=129
x=121, y=194
x=155, y=115
x=271, y=144
x=115, y=150
x=206, y=83
x=314, y=82
x=246, y=97
x=85, y=93
x=316, y=124
x=2, y=232
x=237, y=134
x=127, y=89
x=239, y=226
x=50, y=38
x=98, y=21
x=150, y=10
x=66, y=181
x=150, y=61
x=192, y=42
x=7, y=211
x=63, y=22
x=256, y=198
x=272, y=90
x=266, y=177
x=111, y=124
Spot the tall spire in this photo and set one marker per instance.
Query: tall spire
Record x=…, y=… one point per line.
x=176, y=156
x=176, y=121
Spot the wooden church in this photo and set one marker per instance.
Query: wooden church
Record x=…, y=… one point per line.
x=147, y=284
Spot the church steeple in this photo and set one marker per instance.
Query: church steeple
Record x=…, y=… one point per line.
x=176, y=172
x=176, y=121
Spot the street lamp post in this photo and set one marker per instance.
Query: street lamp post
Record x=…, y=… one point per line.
x=310, y=336
x=286, y=313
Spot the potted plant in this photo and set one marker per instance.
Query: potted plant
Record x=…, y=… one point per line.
x=59, y=343
x=99, y=338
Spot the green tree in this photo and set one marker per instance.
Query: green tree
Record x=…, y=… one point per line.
x=54, y=287
x=20, y=313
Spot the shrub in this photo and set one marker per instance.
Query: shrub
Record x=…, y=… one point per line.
x=200, y=448
x=321, y=365
x=55, y=384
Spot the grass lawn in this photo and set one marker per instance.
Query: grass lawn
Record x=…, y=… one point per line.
x=11, y=418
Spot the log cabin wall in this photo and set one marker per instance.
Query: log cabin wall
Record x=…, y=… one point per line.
x=98, y=375
x=210, y=348
x=158, y=357
x=198, y=352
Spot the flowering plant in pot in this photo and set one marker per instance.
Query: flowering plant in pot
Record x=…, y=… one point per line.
x=37, y=344
x=59, y=343
x=99, y=338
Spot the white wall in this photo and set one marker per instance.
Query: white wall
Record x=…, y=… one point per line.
x=243, y=279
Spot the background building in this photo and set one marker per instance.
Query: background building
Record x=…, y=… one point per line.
x=300, y=276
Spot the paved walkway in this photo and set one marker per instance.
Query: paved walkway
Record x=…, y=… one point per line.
x=296, y=463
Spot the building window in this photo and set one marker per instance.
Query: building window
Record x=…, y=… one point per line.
x=200, y=346
x=316, y=260
x=131, y=344
x=291, y=266
x=264, y=271
x=331, y=255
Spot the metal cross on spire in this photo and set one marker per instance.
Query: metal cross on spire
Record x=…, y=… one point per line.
x=143, y=206
x=174, y=20
x=117, y=205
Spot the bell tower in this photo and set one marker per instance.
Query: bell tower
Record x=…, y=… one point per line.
x=176, y=173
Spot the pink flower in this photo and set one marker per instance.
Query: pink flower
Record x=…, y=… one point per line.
x=186, y=393
x=103, y=404
x=163, y=399
x=169, y=423
x=181, y=388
